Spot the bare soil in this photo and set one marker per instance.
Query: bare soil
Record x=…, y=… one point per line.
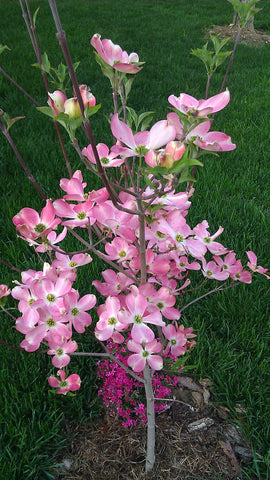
x=211, y=449
x=253, y=38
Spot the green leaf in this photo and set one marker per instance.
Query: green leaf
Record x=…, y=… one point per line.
x=35, y=16
x=74, y=123
x=46, y=66
x=89, y=111
x=9, y=121
x=128, y=85
x=47, y=111
x=148, y=181
x=75, y=65
x=156, y=170
x=3, y=47
x=147, y=117
x=182, y=163
x=245, y=11
x=133, y=117
x=106, y=69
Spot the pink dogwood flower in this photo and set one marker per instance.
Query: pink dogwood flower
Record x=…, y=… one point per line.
x=31, y=225
x=74, y=187
x=64, y=385
x=252, y=264
x=106, y=159
x=65, y=263
x=202, y=234
x=114, y=56
x=60, y=350
x=213, y=271
x=211, y=141
x=115, y=283
x=120, y=250
x=177, y=340
x=109, y=319
x=4, y=291
x=48, y=242
x=77, y=308
x=80, y=215
x=48, y=326
x=51, y=293
x=144, y=353
x=138, y=315
x=160, y=134
x=189, y=105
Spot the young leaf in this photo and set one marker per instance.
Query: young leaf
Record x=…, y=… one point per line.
x=35, y=16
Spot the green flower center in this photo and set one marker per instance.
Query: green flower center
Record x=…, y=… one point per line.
x=238, y=275
x=63, y=383
x=160, y=234
x=173, y=342
x=40, y=227
x=72, y=264
x=122, y=254
x=104, y=161
x=182, y=264
x=209, y=273
x=179, y=238
x=30, y=301
x=145, y=354
x=75, y=312
x=50, y=297
x=160, y=305
x=59, y=351
x=207, y=240
x=138, y=319
x=81, y=215
x=50, y=322
x=112, y=321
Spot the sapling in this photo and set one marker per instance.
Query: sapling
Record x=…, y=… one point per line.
x=136, y=224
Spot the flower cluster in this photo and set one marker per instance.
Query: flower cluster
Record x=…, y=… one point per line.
x=137, y=224
x=123, y=395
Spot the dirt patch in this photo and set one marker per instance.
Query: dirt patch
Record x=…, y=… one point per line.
x=191, y=443
x=254, y=38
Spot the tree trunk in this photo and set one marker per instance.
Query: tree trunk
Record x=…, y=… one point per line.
x=250, y=23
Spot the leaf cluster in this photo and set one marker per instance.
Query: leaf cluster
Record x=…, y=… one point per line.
x=212, y=59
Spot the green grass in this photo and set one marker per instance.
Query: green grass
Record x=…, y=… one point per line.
x=232, y=190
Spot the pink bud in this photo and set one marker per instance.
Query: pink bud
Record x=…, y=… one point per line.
x=72, y=108
x=167, y=160
x=175, y=150
x=56, y=101
x=87, y=97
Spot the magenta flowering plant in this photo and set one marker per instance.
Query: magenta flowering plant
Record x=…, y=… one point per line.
x=136, y=224
x=123, y=396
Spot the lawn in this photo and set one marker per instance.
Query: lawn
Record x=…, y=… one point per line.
x=232, y=190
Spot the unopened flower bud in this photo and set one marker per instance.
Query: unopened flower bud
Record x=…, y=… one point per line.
x=56, y=101
x=87, y=97
x=175, y=149
x=72, y=108
x=167, y=160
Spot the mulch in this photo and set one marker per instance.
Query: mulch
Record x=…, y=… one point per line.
x=191, y=443
x=253, y=38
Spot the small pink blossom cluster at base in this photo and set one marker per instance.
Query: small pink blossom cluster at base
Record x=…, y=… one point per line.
x=123, y=395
